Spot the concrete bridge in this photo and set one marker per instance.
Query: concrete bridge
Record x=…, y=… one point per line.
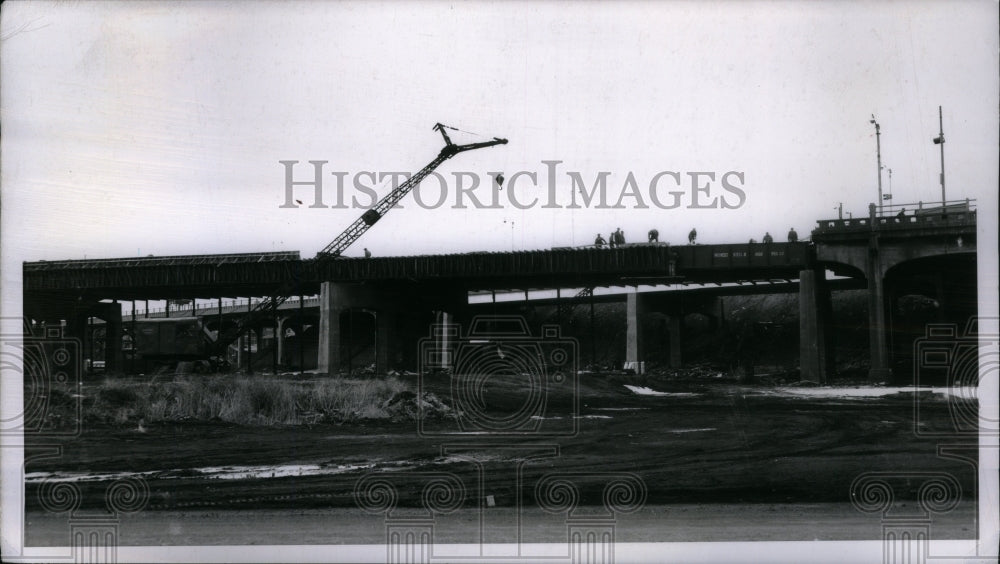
x=928, y=253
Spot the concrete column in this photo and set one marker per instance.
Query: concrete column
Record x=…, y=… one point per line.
x=675, y=324
x=445, y=340
x=279, y=337
x=877, y=328
x=880, y=371
x=635, y=312
x=385, y=340
x=328, y=354
x=813, y=307
x=113, y=339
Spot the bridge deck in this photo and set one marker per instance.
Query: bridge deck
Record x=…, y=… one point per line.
x=210, y=276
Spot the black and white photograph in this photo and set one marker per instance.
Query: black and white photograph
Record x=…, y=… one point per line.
x=574, y=282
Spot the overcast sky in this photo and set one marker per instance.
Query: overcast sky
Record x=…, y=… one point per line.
x=135, y=128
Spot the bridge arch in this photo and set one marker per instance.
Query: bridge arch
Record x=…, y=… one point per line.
x=931, y=289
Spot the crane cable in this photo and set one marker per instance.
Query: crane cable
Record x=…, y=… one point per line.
x=462, y=130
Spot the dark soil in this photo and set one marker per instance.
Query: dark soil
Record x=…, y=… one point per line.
x=723, y=443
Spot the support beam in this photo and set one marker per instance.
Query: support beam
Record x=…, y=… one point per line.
x=877, y=329
x=328, y=355
x=814, y=306
x=250, y=339
x=385, y=340
x=279, y=343
x=300, y=338
x=112, y=315
x=675, y=327
x=635, y=312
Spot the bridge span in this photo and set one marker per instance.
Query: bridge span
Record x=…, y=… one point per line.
x=889, y=255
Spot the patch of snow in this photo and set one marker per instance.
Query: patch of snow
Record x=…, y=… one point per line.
x=873, y=392
x=644, y=391
x=212, y=472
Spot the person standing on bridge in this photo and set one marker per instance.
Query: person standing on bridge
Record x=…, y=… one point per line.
x=692, y=236
x=767, y=238
x=368, y=254
x=599, y=241
x=654, y=236
x=612, y=239
x=792, y=235
x=620, y=236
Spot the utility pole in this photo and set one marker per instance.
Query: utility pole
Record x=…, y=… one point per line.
x=939, y=140
x=878, y=152
x=889, y=195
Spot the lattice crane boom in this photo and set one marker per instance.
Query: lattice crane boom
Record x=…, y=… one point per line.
x=353, y=232
x=376, y=212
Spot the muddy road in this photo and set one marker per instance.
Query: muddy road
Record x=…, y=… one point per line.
x=701, y=444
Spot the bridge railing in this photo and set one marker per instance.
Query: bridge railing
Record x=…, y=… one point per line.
x=905, y=216
x=165, y=260
x=743, y=255
x=209, y=308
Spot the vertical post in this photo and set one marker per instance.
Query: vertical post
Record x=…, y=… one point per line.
x=633, y=340
x=167, y=309
x=90, y=339
x=674, y=330
x=145, y=313
x=302, y=326
x=879, y=371
x=940, y=141
x=249, y=340
x=878, y=152
x=328, y=354
x=350, y=342
x=813, y=344
x=593, y=339
x=132, y=363
x=559, y=306
x=276, y=344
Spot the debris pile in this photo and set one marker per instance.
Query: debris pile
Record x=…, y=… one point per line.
x=406, y=405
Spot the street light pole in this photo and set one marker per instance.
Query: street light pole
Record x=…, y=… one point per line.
x=939, y=140
x=878, y=152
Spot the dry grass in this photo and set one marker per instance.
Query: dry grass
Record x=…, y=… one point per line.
x=243, y=400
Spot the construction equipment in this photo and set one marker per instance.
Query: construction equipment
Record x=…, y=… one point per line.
x=353, y=232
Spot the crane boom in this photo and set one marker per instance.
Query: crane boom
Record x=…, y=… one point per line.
x=353, y=232
x=376, y=212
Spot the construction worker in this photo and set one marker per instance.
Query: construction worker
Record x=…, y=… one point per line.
x=368, y=254
x=767, y=238
x=613, y=239
x=599, y=241
x=654, y=236
x=620, y=236
x=692, y=236
x=901, y=215
x=792, y=235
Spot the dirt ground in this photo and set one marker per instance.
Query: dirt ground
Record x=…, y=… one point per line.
x=716, y=461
